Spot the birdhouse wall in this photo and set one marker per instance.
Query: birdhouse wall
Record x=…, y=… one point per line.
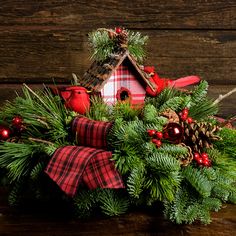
x=123, y=84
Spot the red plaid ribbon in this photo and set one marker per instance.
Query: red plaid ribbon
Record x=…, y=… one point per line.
x=71, y=165
x=90, y=132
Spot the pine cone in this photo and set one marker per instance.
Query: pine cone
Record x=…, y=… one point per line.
x=199, y=135
x=171, y=115
x=186, y=160
x=122, y=39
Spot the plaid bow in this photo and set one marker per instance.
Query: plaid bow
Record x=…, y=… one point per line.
x=72, y=165
x=91, y=133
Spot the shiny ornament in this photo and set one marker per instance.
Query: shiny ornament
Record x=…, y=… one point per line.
x=173, y=132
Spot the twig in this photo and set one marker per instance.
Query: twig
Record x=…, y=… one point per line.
x=41, y=141
x=221, y=97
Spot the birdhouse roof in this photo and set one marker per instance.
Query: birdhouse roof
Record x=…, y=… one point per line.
x=100, y=71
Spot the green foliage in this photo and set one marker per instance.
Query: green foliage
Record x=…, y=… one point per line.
x=200, y=183
x=99, y=110
x=149, y=173
x=17, y=158
x=136, y=43
x=112, y=203
x=104, y=46
x=227, y=144
x=85, y=201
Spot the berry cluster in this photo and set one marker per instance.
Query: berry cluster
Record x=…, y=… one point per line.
x=202, y=159
x=184, y=115
x=16, y=127
x=156, y=137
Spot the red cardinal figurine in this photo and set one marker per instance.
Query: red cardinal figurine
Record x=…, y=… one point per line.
x=76, y=98
x=163, y=83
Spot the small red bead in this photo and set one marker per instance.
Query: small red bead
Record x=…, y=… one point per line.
x=159, y=135
x=151, y=132
x=189, y=120
x=118, y=30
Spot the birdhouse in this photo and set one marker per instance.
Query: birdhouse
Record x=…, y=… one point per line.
x=118, y=78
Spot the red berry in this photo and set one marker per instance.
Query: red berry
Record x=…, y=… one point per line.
x=196, y=156
x=189, y=120
x=184, y=117
x=205, y=162
x=151, y=132
x=159, y=135
x=204, y=156
x=158, y=143
x=199, y=161
x=118, y=30
x=5, y=134
x=185, y=111
x=17, y=121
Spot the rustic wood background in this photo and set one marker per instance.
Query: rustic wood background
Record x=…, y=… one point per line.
x=45, y=40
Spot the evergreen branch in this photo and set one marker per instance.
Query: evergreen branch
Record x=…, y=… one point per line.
x=112, y=204
x=197, y=180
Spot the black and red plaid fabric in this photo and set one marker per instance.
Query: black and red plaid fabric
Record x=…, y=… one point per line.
x=91, y=133
x=101, y=172
x=71, y=165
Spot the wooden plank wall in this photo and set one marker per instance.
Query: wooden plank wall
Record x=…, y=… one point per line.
x=41, y=40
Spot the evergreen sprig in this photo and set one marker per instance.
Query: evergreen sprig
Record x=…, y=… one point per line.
x=104, y=45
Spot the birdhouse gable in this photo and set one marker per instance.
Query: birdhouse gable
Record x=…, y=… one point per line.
x=117, y=78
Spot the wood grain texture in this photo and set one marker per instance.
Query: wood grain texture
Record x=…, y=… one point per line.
x=39, y=56
x=139, y=14
x=44, y=221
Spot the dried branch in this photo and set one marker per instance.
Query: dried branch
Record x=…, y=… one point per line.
x=221, y=97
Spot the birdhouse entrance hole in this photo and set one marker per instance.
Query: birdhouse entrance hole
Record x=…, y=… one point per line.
x=123, y=94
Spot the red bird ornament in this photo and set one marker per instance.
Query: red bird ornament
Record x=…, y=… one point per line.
x=76, y=98
x=162, y=83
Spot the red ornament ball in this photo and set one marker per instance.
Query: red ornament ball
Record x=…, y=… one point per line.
x=159, y=134
x=4, y=133
x=174, y=132
x=151, y=132
x=17, y=121
x=118, y=30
